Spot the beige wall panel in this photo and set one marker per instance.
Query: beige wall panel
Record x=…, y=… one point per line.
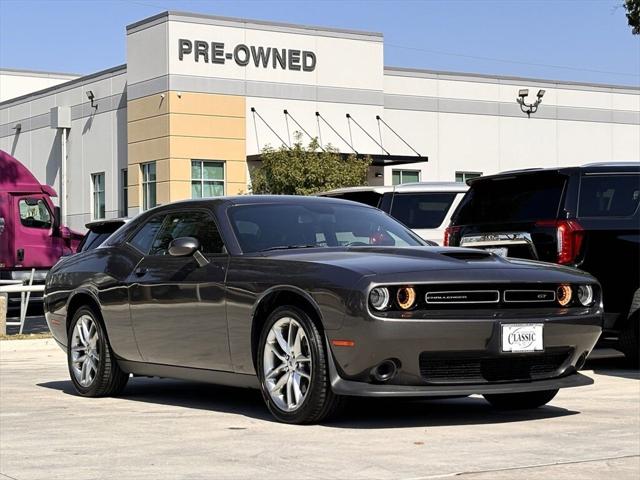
x=163, y=173
x=148, y=150
x=207, y=148
x=236, y=188
x=148, y=128
x=180, y=169
x=207, y=104
x=207, y=126
x=146, y=107
x=134, y=196
x=163, y=192
x=236, y=172
x=180, y=191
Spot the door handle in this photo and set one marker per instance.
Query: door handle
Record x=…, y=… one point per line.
x=140, y=271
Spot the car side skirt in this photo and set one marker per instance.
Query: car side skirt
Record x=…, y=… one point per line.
x=193, y=374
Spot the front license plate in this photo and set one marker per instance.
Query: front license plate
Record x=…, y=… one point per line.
x=524, y=337
x=501, y=252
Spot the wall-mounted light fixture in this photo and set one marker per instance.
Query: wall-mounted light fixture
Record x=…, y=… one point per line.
x=529, y=108
x=91, y=98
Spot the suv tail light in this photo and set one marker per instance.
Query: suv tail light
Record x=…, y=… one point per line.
x=450, y=232
x=569, y=235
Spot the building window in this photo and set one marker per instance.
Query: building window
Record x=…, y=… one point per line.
x=148, y=185
x=124, y=203
x=405, y=176
x=207, y=179
x=462, y=177
x=97, y=183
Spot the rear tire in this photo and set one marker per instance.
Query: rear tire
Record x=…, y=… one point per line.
x=312, y=400
x=520, y=401
x=93, y=369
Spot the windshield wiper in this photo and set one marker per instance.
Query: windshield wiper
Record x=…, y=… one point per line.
x=287, y=247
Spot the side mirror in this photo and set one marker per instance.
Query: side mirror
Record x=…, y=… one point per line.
x=183, y=246
x=56, y=219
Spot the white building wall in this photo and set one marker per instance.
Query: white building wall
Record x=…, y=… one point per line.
x=15, y=83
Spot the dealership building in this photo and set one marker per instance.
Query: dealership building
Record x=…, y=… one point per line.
x=201, y=96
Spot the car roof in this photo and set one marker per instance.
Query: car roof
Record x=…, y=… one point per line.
x=589, y=168
x=403, y=188
x=376, y=189
x=257, y=200
x=431, y=187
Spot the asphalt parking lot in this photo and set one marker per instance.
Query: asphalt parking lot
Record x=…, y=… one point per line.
x=170, y=429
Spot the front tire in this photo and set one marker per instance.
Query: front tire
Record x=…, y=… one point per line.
x=93, y=369
x=292, y=368
x=520, y=401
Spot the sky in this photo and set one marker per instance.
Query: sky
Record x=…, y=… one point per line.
x=578, y=40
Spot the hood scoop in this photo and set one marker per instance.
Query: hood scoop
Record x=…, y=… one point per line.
x=468, y=256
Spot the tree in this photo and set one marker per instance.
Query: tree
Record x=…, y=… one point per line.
x=301, y=170
x=633, y=15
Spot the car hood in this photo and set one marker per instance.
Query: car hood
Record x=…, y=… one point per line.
x=391, y=261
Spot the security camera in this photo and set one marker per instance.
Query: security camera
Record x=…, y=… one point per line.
x=90, y=95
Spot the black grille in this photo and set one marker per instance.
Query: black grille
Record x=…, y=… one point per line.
x=480, y=367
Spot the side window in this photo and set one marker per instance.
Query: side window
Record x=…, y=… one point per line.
x=199, y=225
x=34, y=213
x=143, y=239
x=609, y=196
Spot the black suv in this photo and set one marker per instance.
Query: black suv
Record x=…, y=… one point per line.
x=586, y=217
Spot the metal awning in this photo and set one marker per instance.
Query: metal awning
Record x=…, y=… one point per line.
x=377, y=159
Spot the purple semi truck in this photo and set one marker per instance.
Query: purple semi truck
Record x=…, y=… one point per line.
x=31, y=235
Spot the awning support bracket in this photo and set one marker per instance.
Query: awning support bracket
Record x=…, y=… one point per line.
x=379, y=118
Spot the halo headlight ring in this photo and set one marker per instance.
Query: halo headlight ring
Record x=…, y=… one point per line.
x=564, y=294
x=585, y=295
x=379, y=298
x=406, y=297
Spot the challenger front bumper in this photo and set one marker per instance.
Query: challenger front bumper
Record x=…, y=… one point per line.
x=460, y=356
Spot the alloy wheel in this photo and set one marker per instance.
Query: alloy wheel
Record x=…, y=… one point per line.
x=85, y=350
x=287, y=364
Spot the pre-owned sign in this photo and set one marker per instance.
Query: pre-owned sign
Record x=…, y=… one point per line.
x=243, y=55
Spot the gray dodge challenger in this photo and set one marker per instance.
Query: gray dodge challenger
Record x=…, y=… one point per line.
x=313, y=300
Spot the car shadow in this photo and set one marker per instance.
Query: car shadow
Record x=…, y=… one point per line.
x=358, y=413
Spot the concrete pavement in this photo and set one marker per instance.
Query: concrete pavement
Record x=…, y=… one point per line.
x=170, y=429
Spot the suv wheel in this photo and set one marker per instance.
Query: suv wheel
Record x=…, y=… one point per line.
x=292, y=368
x=520, y=401
x=92, y=366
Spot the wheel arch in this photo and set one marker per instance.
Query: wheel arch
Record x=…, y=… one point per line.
x=79, y=299
x=276, y=297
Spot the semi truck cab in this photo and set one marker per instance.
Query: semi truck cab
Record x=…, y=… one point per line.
x=31, y=235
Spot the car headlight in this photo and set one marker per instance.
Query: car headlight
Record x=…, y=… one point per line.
x=585, y=295
x=406, y=297
x=564, y=294
x=379, y=298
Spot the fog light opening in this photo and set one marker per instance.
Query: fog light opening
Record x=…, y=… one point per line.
x=385, y=371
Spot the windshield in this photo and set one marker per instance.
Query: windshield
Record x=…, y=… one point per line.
x=274, y=226
x=512, y=199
